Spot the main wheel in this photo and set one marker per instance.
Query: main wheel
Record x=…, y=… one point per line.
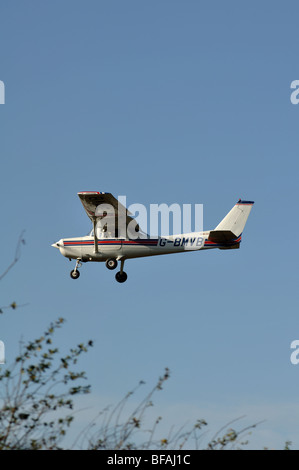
x=111, y=263
x=121, y=277
x=75, y=274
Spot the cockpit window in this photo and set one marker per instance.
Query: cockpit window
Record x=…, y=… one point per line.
x=101, y=234
x=104, y=234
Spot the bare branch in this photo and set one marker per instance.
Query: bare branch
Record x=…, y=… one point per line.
x=13, y=306
x=21, y=241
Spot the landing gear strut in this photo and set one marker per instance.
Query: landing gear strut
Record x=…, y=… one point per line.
x=121, y=276
x=75, y=273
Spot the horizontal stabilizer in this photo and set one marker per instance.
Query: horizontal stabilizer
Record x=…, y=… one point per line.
x=221, y=236
x=224, y=239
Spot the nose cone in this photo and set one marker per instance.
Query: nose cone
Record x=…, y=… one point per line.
x=58, y=244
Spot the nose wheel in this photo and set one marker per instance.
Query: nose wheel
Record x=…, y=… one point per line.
x=75, y=273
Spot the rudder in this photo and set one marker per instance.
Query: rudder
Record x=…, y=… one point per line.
x=236, y=219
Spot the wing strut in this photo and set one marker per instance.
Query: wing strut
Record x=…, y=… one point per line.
x=96, y=247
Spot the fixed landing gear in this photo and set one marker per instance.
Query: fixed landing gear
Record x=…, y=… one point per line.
x=121, y=276
x=75, y=273
x=111, y=263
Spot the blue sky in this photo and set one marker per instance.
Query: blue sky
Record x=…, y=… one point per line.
x=175, y=102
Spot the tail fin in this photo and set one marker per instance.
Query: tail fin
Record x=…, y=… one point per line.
x=236, y=219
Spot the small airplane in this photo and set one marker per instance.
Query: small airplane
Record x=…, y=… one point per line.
x=99, y=245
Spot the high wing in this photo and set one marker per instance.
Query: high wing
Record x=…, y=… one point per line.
x=97, y=205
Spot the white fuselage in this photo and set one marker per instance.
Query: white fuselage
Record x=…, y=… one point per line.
x=84, y=248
